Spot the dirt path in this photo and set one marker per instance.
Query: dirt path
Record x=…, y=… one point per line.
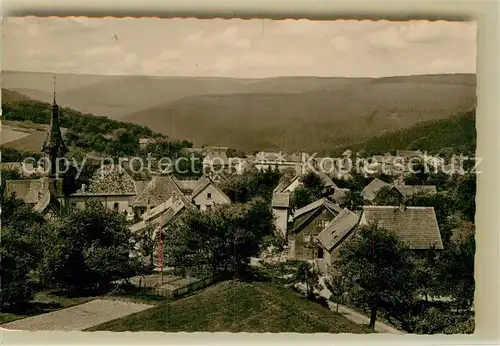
x=78, y=317
x=353, y=315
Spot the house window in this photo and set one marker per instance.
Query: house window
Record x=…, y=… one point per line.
x=322, y=223
x=209, y=195
x=116, y=206
x=208, y=207
x=307, y=238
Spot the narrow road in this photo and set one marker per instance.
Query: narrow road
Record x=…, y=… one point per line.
x=351, y=314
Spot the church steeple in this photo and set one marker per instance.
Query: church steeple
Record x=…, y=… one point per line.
x=54, y=146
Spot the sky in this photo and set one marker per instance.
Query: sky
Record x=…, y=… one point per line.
x=237, y=48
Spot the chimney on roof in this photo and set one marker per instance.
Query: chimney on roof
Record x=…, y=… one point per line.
x=83, y=188
x=148, y=206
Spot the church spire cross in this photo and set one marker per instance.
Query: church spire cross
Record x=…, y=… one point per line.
x=54, y=90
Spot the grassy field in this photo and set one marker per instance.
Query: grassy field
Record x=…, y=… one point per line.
x=234, y=306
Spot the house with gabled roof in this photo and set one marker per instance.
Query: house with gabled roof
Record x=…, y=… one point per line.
x=207, y=194
x=335, y=233
x=112, y=186
x=36, y=193
x=281, y=210
x=163, y=213
x=158, y=190
x=307, y=223
x=416, y=226
x=215, y=158
x=288, y=184
x=370, y=191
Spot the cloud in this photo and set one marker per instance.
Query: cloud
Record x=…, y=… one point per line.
x=237, y=48
x=390, y=37
x=341, y=43
x=229, y=37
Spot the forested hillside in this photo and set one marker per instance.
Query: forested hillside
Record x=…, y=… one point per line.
x=456, y=134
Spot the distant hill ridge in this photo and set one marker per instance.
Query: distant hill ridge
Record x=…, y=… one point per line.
x=286, y=113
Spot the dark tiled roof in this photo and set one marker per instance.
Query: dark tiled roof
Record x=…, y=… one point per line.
x=417, y=226
x=316, y=204
x=158, y=190
x=410, y=190
x=337, y=229
x=370, y=190
x=140, y=185
x=281, y=200
x=112, y=179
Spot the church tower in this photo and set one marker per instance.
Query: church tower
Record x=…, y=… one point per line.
x=54, y=146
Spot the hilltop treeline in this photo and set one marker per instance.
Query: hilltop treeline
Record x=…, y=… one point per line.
x=456, y=134
x=89, y=133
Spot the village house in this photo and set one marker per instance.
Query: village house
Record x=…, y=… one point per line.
x=370, y=191
x=163, y=213
x=434, y=162
x=144, y=142
x=110, y=185
x=158, y=190
x=35, y=192
x=207, y=194
x=288, y=184
x=170, y=197
x=334, y=234
x=281, y=211
x=416, y=226
x=308, y=222
x=278, y=160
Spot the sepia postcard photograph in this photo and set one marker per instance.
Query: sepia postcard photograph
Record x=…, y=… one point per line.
x=229, y=175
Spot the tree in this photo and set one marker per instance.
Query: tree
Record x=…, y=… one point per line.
x=379, y=271
x=457, y=266
x=352, y=200
x=19, y=251
x=301, y=197
x=312, y=182
x=87, y=250
x=465, y=196
x=336, y=284
x=16, y=265
x=309, y=276
x=388, y=195
x=145, y=239
x=253, y=183
x=218, y=242
x=10, y=174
